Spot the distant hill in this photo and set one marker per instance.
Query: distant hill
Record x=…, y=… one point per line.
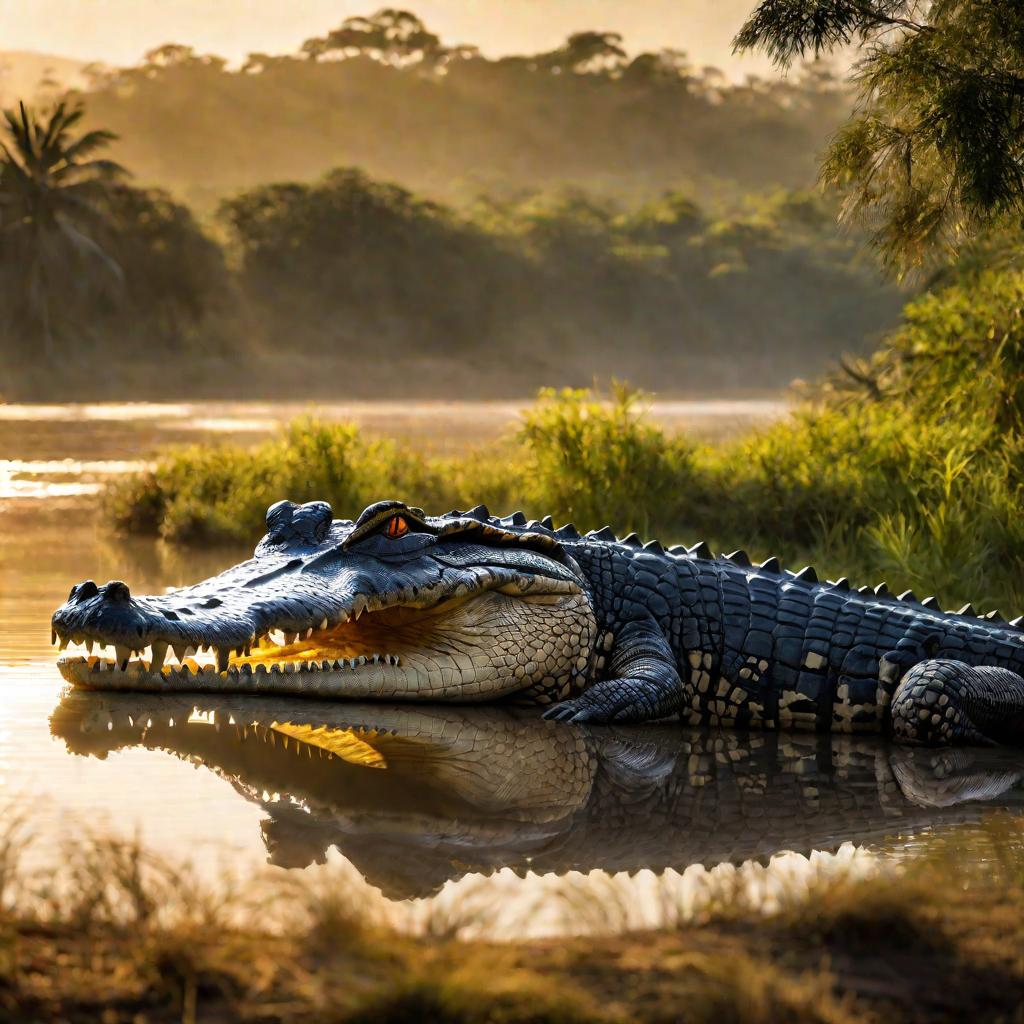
x=24, y=75
x=384, y=94
x=496, y=127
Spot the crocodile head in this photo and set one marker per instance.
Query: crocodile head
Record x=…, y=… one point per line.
x=396, y=605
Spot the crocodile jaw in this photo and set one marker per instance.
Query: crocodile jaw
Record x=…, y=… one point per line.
x=479, y=649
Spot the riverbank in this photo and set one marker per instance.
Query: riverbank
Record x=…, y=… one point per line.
x=921, y=498
x=120, y=935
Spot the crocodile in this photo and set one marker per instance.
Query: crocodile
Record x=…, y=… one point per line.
x=469, y=607
x=417, y=796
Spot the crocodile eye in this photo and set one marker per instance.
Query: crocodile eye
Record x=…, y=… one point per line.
x=397, y=527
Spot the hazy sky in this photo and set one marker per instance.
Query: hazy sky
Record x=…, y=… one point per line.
x=119, y=31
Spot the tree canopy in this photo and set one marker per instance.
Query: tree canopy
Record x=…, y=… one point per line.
x=552, y=283
x=384, y=93
x=52, y=185
x=86, y=261
x=935, y=151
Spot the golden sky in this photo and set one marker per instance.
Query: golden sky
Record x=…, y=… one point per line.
x=120, y=31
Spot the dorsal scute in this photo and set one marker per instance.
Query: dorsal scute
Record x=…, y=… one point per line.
x=739, y=557
x=699, y=550
x=771, y=564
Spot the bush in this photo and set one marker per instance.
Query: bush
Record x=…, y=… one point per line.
x=915, y=474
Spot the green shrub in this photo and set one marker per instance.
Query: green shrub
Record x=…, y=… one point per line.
x=915, y=475
x=596, y=463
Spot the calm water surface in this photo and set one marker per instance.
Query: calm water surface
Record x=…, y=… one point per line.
x=418, y=805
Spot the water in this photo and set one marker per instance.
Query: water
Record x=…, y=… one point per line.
x=419, y=804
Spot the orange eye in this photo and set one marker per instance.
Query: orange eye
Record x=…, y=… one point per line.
x=397, y=527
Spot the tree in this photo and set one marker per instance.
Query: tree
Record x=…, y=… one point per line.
x=934, y=152
x=51, y=188
x=586, y=52
x=391, y=36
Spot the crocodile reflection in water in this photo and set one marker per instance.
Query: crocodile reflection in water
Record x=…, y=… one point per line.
x=416, y=796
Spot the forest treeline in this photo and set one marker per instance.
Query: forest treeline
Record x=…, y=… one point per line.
x=384, y=94
x=414, y=218
x=409, y=295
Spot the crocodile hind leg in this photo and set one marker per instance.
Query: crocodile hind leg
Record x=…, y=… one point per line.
x=942, y=702
x=646, y=683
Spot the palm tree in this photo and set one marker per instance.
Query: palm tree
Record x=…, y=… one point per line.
x=51, y=190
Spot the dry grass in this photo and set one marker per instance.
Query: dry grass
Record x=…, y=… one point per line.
x=117, y=934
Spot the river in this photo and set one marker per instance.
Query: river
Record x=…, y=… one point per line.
x=415, y=805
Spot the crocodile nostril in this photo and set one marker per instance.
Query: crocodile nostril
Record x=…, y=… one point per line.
x=313, y=520
x=117, y=591
x=279, y=518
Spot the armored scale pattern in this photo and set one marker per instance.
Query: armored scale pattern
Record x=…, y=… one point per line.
x=758, y=646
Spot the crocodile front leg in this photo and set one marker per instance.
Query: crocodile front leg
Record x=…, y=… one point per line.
x=939, y=702
x=645, y=681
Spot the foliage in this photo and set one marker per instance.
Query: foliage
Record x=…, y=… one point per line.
x=351, y=270
x=207, y=494
x=51, y=187
x=594, y=463
x=936, y=147
x=384, y=93
x=88, y=264
x=914, y=475
x=559, y=279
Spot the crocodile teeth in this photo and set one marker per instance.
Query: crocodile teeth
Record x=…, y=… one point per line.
x=323, y=624
x=122, y=655
x=159, y=653
x=223, y=656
